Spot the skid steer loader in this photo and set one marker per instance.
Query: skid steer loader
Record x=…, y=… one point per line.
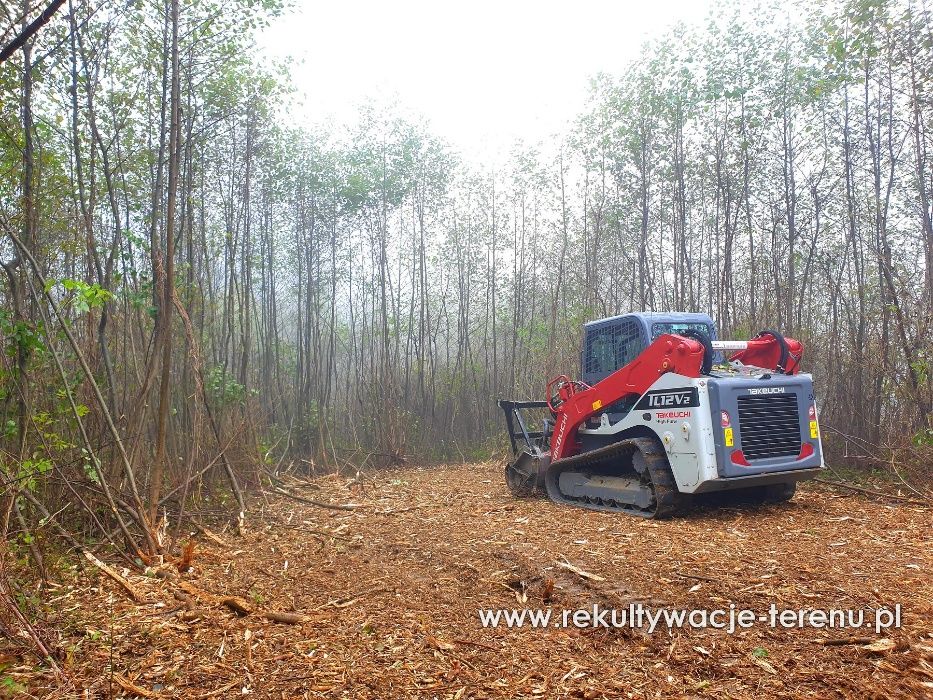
x=665, y=410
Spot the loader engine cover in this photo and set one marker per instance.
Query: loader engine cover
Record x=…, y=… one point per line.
x=771, y=420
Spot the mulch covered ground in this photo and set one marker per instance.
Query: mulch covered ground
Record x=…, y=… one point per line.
x=381, y=601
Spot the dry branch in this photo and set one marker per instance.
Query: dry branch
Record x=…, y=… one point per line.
x=579, y=572
x=236, y=604
x=208, y=534
x=286, y=617
x=844, y=641
x=348, y=601
x=130, y=687
x=872, y=492
x=193, y=614
x=218, y=691
x=124, y=584
x=319, y=504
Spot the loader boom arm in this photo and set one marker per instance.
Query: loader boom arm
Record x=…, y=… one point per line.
x=668, y=353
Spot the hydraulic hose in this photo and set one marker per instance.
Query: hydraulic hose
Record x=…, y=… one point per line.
x=785, y=352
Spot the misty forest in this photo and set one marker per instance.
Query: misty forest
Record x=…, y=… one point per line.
x=207, y=305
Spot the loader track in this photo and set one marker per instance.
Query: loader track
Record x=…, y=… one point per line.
x=650, y=466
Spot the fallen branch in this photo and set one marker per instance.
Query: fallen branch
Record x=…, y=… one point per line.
x=698, y=578
x=286, y=618
x=871, y=492
x=124, y=584
x=843, y=641
x=319, y=504
x=207, y=533
x=236, y=604
x=347, y=602
x=193, y=614
x=130, y=687
x=471, y=643
x=579, y=572
x=219, y=691
x=293, y=481
x=319, y=533
x=397, y=511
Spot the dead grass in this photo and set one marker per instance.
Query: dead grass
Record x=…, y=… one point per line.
x=389, y=594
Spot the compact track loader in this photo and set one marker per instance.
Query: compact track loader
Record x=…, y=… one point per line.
x=662, y=413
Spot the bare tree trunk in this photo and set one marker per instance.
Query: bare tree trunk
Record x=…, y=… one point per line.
x=168, y=286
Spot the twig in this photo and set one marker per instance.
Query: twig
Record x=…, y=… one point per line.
x=239, y=606
x=347, y=602
x=903, y=480
x=130, y=687
x=698, y=578
x=319, y=504
x=870, y=492
x=218, y=691
x=471, y=643
x=579, y=572
x=207, y=533
x=319, y=533
x=844, y=641
x=133, y=593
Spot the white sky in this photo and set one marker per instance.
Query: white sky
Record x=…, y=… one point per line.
x=484, y=73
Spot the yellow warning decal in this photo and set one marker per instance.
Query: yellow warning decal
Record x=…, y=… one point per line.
x=729, y=440
x=597, y=404
x=814, y=430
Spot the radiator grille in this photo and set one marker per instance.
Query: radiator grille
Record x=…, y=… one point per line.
x=769, y=426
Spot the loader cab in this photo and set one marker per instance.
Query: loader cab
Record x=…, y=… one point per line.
x=611, y=343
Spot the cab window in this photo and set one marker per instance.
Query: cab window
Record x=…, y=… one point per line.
x=659, y=329
x=611, y=347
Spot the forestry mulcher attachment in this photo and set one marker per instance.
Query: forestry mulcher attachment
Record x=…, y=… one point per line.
x=661, y=413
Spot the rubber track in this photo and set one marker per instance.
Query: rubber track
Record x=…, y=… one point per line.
x=668, y=499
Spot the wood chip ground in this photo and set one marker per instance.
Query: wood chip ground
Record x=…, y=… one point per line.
x=380, y=600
